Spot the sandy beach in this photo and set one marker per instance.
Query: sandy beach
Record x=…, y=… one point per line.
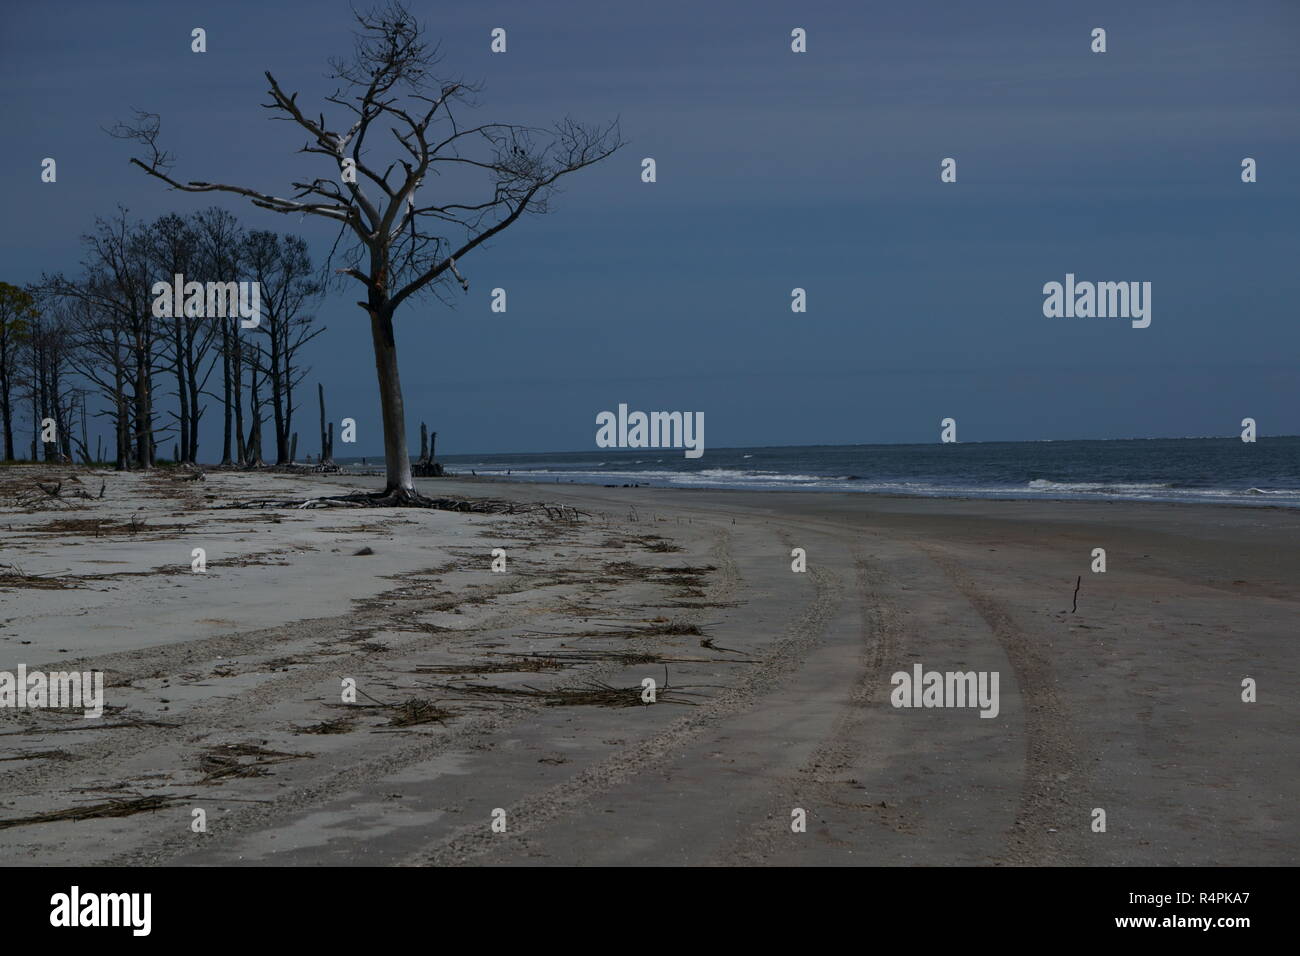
x=521, y=691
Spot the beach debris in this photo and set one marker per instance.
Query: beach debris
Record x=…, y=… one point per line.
x=1077, y=584
x=241, y=760
x=11, y=575
x=44, y=497
x=416, y=710
x=340, y=725
x=707, y=642
x=39, y=755
x=361, y=551
x=82, y=725
x=414, y=500
x=520, y=664
x=591, y=694
x=660, y=545
x=109, y=808
x=408, y=713
x=631, y=569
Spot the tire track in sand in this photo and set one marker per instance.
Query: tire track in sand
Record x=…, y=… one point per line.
x=882, y=634
x=1054, y=778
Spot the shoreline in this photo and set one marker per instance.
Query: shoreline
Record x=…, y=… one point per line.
x=991, y=496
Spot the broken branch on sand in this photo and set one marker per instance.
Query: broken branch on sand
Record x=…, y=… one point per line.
x=110, y=808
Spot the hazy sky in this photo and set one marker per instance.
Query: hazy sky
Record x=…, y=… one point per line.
x=775, y=170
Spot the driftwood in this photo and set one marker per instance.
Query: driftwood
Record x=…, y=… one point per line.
x=110, y=808
x=54, y=496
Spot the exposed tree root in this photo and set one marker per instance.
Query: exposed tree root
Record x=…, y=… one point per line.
x=406, y=498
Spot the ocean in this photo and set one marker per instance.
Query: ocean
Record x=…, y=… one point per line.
x=1213, y=470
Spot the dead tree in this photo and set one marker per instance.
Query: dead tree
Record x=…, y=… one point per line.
x=17, y=309
x=326, y=437
x=281, y=265
x=402, y=247
x=427, y=466
x=221, y=242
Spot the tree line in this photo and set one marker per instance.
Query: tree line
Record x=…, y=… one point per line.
x=89, y=346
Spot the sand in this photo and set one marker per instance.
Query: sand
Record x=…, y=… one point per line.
x=773, y=686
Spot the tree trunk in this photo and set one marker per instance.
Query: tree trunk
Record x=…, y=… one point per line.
x=276, y=375
x=120, y=433
x=182, y=393
x=196, y=410
x=36, y=418
x=397, y=463
x=143, y=412
x=324, y=439
x=237, y=378
x=6, y=409
x=85, y=438
x=8, y=343
x=255, y=428
x=228, y=412
x=288, y=402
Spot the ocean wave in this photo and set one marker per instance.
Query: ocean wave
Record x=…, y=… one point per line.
x=1105, y=487
x=929, y=486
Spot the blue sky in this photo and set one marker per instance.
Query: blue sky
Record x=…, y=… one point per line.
x=775, y=170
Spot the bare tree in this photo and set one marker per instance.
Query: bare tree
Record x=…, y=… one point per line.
x=49, y=382
x=221, y=240
x=17, y=310
x=283, y=267
x=102, y=357
x=122, y=328
x=174, y=249
x=402, y=246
